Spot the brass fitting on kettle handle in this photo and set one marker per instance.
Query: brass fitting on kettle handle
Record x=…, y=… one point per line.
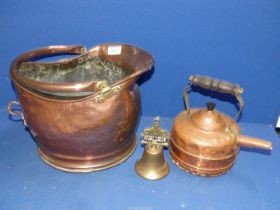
x=216, y=85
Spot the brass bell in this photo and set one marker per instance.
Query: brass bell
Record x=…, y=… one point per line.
x=152, y=165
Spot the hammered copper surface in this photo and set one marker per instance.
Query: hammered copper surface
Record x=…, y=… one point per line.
x=83, y=134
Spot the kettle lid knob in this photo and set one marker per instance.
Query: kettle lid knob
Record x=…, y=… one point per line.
x=210, y=106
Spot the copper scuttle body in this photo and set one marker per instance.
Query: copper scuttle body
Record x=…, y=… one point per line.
x=82, y=111
x=204, y=141
x=152, y=165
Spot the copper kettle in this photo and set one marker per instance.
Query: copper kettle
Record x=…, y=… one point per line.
x=204, y=141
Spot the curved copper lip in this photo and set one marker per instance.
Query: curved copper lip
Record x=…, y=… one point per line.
x=145, y=64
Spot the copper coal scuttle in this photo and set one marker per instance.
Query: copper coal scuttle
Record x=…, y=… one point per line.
x=204, y=141
x=82, y=111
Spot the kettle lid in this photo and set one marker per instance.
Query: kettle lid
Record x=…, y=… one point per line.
x=208, y=119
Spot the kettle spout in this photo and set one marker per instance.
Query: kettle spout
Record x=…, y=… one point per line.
x=247, y=141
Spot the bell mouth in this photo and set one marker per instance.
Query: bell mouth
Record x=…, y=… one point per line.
x=113, y=64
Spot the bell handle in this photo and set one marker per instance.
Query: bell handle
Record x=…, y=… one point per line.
x=214, y=85
x=12, y=112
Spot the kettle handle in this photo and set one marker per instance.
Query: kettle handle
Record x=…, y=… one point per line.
x=215, y=85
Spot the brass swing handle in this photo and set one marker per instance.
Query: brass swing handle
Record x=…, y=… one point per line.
x=215, y=85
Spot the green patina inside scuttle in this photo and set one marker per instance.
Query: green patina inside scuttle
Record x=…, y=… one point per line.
x=82, y=69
